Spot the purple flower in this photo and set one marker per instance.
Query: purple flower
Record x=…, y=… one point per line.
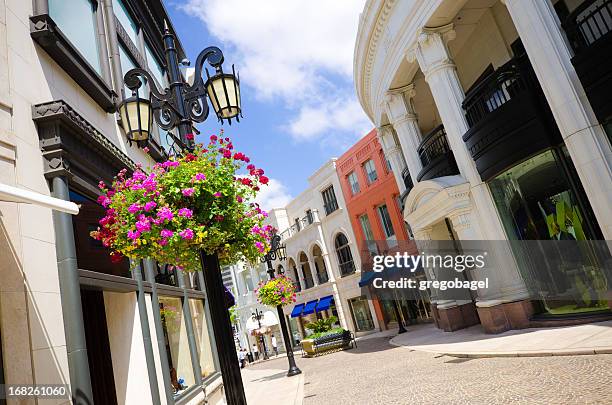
x=185, y=212
x=186, y=234
x=133, y=235
x=139, y=176
x=199, y=177
x=104, y=201
x=170, y=163
x=165, y=214
x=239, y=199
x=217, y=194
x=143, y=224
x=188, y=192
x=150, y=205
x=149, y=184
x=166, y=233
x=134, y=208
x=259, y=246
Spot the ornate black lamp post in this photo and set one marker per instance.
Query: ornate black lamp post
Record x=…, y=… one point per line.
x=277, y=251
x=180, y=106
x=258, y=315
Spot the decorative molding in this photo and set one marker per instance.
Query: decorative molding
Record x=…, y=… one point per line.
x=49, y=37
x=72, y=147
x=129, y=45
x=430, y=49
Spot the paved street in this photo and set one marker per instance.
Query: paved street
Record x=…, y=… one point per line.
x=379, y=373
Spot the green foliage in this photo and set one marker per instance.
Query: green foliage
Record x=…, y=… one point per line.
x=278, y=291
x=233, y=315
x=322, y=325
x=321, y=334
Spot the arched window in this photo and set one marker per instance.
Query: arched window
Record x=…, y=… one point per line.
x=345, y=257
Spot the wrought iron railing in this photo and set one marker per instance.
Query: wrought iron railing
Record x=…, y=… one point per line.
x=433, y=146
x=505, y=83
x=407, y=179
x=588, y=23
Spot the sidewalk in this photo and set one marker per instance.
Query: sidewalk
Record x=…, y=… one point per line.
x=595, y=338
x=272, y=387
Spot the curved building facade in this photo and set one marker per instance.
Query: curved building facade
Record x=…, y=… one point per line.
x=494, y=112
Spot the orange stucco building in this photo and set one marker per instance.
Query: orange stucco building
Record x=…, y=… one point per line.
x=372, y=200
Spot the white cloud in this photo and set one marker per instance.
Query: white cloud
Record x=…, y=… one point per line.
x=298, y=51
x=274, y=195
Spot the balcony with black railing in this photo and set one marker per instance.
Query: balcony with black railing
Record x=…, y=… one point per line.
x=589, y=30
x=408, y=184
x=436, y=156
x=509, y=118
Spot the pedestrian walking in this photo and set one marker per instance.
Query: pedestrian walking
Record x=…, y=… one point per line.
x=274, y=345
x=255, y=352
x=242, y=357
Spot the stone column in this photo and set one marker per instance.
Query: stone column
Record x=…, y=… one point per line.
x=404, y=120
x=440, y=73
x=300, y=276
x=313, y=271
x=394, y=153
x=586, y=141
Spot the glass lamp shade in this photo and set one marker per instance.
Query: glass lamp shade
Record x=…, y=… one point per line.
x=136, y=118
x=224, y=92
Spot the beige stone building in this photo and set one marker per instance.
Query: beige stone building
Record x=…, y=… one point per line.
x=68, y=315
x=498, y=115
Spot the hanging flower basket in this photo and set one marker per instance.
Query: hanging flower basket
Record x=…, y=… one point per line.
x=278, y=291
x=200, y=201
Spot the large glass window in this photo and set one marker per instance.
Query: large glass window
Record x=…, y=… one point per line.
x=126, y=20
x=77, y=20
x=155, y=67
x=177, y=344
x=329, y=200
x=202, y=337
x=345, y=257
x=536, y=201
x=366, y=227
x=370, y=170
x=385, y=220
x=360, y=311
x=127, y=64
x=353, y=182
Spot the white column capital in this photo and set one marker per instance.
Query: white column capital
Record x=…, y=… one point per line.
x=430, y=49
x=399, y=106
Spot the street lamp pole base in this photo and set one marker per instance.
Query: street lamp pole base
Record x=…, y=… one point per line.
x=293, y=371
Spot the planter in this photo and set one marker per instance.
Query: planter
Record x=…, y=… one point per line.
x=327, y=344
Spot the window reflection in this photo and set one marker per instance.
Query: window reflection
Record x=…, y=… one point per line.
x=177, y=344
x=202, y=338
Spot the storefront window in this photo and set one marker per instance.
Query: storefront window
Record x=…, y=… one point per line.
x=177, y=344
x=362, y=317
x=202, y=337
x=536, y=201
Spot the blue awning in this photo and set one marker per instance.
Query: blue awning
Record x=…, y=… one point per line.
x=367, y=277
x=310, y=307
x=324, y=303
x=297, y=310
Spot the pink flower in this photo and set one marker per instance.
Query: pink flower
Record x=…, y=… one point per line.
x=217, y=194
x=134, y=208
x=186, y=234
x=166, y=233
x=213, y=138
x=170, y=163
x=185, y=212
x=165, y=214
x=143, y=224
x=199, y=177
x=219, y=218
x=133, y=235
x=260, y=247
x=227, y=153
x=188, y=192
x=264, y=180
x=101, y=185
x=104, y=201
x=163, y=242
x=239, y=199
x=189, y=137
x=145, y=149
x=150, y=205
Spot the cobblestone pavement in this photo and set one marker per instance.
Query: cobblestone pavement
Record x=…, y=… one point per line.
x=378, y=373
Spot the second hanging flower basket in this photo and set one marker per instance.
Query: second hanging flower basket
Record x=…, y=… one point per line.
x=278, y=291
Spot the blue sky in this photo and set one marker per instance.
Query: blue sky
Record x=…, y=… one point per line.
x=295, y=65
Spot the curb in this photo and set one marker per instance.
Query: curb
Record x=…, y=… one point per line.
x=299, y=394
x=526, y=353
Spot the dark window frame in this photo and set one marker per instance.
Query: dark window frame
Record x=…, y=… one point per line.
x=330, y=202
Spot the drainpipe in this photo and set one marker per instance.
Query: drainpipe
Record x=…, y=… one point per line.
x=149, y=266
x=146, y=334
x=70, y=292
